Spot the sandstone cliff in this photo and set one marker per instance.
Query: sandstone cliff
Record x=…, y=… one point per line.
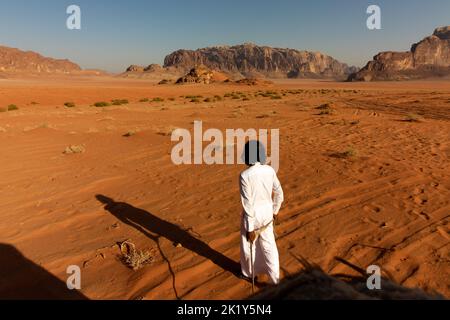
x=249, y=60
x=428, y=58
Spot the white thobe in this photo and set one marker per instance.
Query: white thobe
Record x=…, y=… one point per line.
x=257, y=185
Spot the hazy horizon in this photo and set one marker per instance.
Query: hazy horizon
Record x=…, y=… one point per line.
x=117, y=34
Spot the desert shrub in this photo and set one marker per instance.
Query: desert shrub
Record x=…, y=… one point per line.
x=132, y=258
x=412, y=117
x=12, y=107
x=158, y=99
x=171, y=99
x=276, y=97
x=102, y=104
x=74, y=149
x=167, y=131
x=129, y=134
x=208, y=100
x=144, y=100
x=69, y=104
x=195, y=100
x=227, y=95
x=326, y=112
x=325, y=106
x=349, y=153
x=119, y=102
x=218, y=98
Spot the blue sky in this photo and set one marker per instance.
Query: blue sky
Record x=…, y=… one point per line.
x=117, y=33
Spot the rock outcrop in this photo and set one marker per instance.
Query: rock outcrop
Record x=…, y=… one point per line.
x=202, y=74
x=426, y=59
x=248, y=60
x=15, y=61
x=152, y=72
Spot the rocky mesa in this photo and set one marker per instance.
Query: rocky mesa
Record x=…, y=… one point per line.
x=250, y=61
x=428, y=58
x=15, y=61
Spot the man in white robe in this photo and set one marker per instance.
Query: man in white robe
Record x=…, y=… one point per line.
x=257, y=185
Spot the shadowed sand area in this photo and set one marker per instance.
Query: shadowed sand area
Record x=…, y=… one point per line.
x=365, y=182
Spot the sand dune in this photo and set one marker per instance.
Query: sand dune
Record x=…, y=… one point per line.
x=361, y=183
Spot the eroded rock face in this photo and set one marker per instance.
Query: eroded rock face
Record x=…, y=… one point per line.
x=16, y=61
x=427, y=58
x=249, y=59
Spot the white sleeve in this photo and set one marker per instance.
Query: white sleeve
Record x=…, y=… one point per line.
x=278, y=196
x=247, y=204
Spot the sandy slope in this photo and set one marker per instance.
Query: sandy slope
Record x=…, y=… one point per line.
x=387, y=205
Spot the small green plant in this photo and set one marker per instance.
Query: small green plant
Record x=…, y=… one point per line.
x=101, y=104
x=12, y=107
x=69, y=104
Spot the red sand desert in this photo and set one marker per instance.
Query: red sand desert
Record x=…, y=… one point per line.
x=360, y=183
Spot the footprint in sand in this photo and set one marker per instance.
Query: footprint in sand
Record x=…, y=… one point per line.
x=372, y=209
x=420, y=201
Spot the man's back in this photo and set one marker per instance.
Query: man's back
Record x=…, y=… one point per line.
x=257, y=184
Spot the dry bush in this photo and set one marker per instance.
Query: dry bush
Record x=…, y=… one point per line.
x=349, y=153
x=167, y=131
x=129, y=134
x=412, y=117
x=74, y=149
x=132, y=258
x=69, y=105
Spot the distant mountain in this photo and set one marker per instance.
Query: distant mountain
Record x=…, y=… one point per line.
x=250, y=61
x=426, y=59
x=17, y=61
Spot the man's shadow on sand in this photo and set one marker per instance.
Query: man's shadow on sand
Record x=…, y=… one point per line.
x=155, y=228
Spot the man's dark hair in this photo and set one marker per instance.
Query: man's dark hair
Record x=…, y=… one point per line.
x=254, y=151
